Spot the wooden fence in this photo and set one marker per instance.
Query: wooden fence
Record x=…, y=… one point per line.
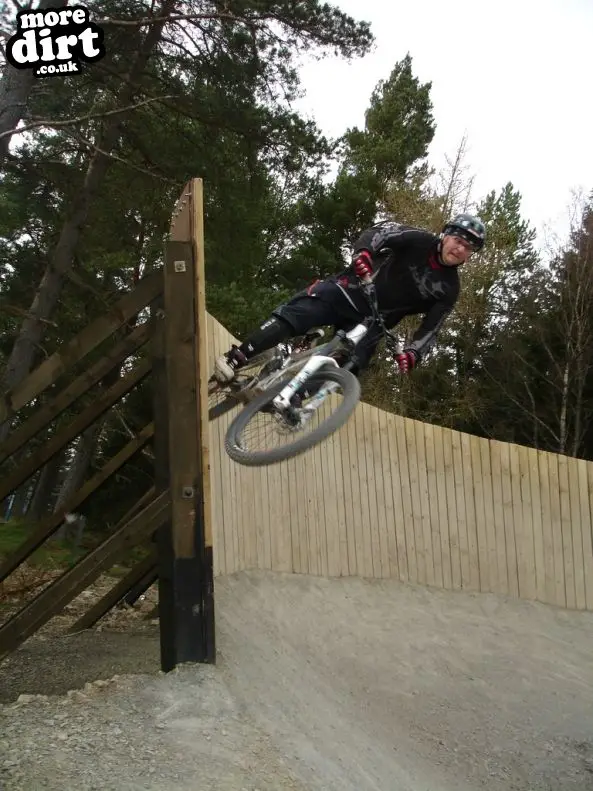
x=388, y=496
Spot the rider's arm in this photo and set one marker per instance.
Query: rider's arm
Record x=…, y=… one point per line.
x=425, y=336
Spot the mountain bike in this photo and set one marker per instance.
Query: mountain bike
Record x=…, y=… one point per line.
x=296, y=387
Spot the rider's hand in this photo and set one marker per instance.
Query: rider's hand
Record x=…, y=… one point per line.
x=406, y=361
x=363, y=265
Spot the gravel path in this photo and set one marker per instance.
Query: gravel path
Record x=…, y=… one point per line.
x=319, y=685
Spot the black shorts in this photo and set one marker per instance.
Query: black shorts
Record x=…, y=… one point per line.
x=326, y=304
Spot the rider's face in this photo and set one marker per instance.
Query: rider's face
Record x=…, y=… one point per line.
x=455, y=250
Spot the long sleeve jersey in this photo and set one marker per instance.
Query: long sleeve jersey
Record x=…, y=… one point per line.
x=408, y=277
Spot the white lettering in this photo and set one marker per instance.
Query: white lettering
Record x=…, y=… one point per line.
x=24, y=50
x=64, y=43
x=86, y=38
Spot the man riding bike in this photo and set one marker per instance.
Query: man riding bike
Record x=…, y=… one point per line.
x=414, y=272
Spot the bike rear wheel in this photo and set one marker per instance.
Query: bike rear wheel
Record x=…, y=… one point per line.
x=240, y=431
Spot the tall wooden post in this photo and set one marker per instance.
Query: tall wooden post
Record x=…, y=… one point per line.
x=186, y=587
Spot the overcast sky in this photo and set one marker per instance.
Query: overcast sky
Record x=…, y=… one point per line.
x=514, y=74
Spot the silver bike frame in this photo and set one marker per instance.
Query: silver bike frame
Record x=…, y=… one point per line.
x=317, y=361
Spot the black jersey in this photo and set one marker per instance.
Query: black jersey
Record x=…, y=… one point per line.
x=408, y=277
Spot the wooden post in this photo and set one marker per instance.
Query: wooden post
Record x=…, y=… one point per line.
x=186, y=591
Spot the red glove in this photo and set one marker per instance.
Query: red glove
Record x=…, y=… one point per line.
x=406, y=361
x=363, y=265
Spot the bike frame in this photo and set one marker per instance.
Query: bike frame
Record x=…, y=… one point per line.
x=319, y=358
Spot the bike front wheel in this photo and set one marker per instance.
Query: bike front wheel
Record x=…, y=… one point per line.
x=261, y=435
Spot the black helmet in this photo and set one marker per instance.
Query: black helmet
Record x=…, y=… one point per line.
x=467, y=226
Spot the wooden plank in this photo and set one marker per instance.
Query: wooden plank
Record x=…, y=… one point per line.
x=73, y=391
x=442, y=515
x=389, y=484
x=374, y=478
x=81, y=422
x=332, y=485
x=434, y=515
x=577, y=537
x=410, y=438
x=537, y=524
x=565, y=517
x=379, y=464
x=202, y=368
x=56, y=596
x=419, y=431
x=48, y=526
x=586, y=488
x=186, y=584
x=348, y=462
x=117, y=593
x=470, y=514
x=357, y=523
x=515, y=511
x=489, y=525
x=464, y=555
x=184, y=449
x=556, y=526
x=363, y=438
x=549, y=594
x=502, y=577
x=477, y=482
x=452, y=518
x=340, y=496
x=406, y=499
x=75, y=350
x=525, y=547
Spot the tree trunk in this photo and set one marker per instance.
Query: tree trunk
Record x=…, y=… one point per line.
x=564, y=410
x=22, y=354
x=77, y=473
x=15, y=88
x=41, y=503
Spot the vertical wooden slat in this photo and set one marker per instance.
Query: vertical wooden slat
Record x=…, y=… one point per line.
x=526, y=555
x=489, y=525
x=461, y=513
x=546, y=528
x=348, y=498
x=556, y=527
x=565, y=518
x=502, y=579
x=363, y=437
x=419, y=430
x=410, y=435
x=434, y=515
x=389, y=512
x=357, y=522
x=371, y=490
x=586, y=486
x=379, y=463
x=442, y=517
x=479, y=510
x=408, y=484
x=470, y=514
x=398, y=478
x=537, y=492
x=576, y=527
x=449, y=477
x=332, y=522
x=517, y=514
x=342, y=533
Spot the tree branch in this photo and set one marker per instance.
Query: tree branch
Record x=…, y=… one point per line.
x=81, y=119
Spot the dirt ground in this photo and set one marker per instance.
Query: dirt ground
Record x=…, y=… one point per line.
x=320, y=684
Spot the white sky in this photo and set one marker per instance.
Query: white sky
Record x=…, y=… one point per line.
x=514, y=74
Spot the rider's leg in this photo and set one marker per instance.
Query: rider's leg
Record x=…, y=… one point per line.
x=295, y=317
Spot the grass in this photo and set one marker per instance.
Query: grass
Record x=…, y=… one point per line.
x=54, y=554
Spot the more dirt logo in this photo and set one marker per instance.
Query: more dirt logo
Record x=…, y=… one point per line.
x=55, y=41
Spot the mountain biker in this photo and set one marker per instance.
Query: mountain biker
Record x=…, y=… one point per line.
x=414, y=272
